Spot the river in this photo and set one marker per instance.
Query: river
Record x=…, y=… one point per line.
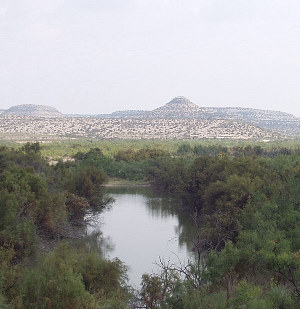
x=141, y=228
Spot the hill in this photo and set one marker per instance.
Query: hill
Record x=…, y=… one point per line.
x=276, y=121
x=29, y=128
x=33, y=111
x=179, y=107
x=124, y=114
x=182, y=108
x=179, y=119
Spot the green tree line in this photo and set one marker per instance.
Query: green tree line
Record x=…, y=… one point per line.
x=41, y=203
x=247, y=214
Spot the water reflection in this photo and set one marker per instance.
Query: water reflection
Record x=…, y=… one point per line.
x=163, y=206
x=142, y=227
x=97, y=242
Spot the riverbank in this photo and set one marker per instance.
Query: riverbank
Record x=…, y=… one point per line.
x=118, y=182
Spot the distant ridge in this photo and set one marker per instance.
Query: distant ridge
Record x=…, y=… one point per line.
x=33, y=111
x=182, y=108
x=124, y=114
x=179, y=118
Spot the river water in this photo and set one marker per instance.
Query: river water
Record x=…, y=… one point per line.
x=141, y=228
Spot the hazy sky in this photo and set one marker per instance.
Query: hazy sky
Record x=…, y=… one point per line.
x=98, y=56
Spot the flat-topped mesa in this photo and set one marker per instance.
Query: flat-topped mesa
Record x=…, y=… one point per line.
x=33, y=110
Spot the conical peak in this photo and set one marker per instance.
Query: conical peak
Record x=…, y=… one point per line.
x=180, y=100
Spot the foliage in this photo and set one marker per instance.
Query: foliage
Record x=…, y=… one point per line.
x=244, y=200
x=65, y=278
x=86, y=182
x=38, y=202
x=247, y=214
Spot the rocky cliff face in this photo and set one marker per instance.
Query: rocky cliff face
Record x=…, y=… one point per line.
x=33, y=111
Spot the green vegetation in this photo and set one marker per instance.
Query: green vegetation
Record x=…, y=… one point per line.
x=66, y=149
x=246, y=209
x=244, y=200
x=38, y=203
